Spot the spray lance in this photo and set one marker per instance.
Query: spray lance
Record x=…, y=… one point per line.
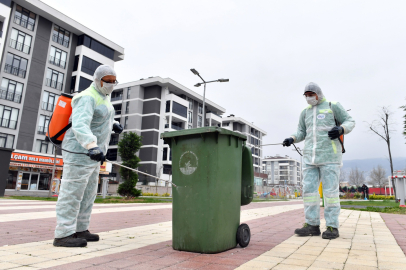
x=58, y=127
x=282, y=144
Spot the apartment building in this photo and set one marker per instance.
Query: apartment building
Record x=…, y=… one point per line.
x=44, y=54
x=254, y=136
x=150, y=107
x=282, y=170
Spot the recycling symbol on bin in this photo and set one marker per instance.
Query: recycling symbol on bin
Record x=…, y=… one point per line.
x=188, y=163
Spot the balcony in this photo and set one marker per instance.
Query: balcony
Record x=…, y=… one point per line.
x=174, y=127
x=54, y=84
x=24, y=23
x=57, y=62
x=42, y=130
x=7, y=123
x=60, y=40
x=116, y=98
x=19, y=46
x=15, y=70
x=4, y=94
x=47, y=106
x=213, y=118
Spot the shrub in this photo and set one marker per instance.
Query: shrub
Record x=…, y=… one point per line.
x=166, y=194
x=381, y=197
x=127, y=147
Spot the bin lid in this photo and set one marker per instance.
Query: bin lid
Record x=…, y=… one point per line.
x=202, y=130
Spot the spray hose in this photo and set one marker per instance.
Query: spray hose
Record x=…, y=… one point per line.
x=282, y=144
x=115, y=163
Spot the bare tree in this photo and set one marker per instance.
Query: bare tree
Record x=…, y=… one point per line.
x=378, y=176
x=343, y=176
x=382, y=128
x=356, y=177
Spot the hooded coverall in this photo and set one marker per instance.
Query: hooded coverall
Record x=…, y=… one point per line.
x=322, y=157
x=92, y=121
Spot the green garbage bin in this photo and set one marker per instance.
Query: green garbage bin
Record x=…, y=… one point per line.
x=213, y=173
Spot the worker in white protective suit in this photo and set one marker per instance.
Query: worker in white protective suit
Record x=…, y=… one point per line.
x=322, y=159
x=92, y=122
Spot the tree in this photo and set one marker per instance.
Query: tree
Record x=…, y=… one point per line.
x=127, y=147
x=382, y=128
x=356, y=177
x=343, y=175
x=378, y=176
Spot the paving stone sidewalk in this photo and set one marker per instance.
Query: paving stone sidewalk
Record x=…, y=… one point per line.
x=141, y=239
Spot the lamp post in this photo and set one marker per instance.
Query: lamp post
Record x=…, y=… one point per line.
x=194, y=71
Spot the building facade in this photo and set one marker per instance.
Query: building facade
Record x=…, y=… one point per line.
x=254, y=137
x=153, y=106
x=282, y=171
x=44, y=54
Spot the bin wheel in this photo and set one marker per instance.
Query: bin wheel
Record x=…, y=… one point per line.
x=243, y=235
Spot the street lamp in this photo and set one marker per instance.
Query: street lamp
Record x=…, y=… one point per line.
x=194, y=71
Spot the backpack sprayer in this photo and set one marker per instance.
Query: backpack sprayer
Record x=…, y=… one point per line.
x=59, y=124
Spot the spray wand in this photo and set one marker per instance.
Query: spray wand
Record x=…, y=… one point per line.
x=282, y=144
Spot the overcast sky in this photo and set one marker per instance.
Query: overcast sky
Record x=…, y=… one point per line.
x=355, y=51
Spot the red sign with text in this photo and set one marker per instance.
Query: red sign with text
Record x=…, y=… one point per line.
x=19, y=157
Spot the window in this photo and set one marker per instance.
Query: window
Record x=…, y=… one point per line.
x=84, y=84
x=25, y=18
x=49, y=101
x=127, y=107
x=167, y=169
x=76, y=63
x=168, y=106
x=20, y=41
x=179, y=109
x=11, y=90
x=200, y=108
x=190, y=127
x=199, y=121
x=72, y=84
x=43, y=124
x=111, y=154
x=16, y=65
x=58, y=57
x=11, y=179
x=44, y=147
x=114, y=139
x=165, y=154
x=6, y=140
x=54, y=79
x=128, y=92
x=125, y=122
x=190, y=117
x=190, y=103
x=89, y=65
x=117, y=108
x=117, y=95
x=8, y=117
x=96, y=46
x=61, y=36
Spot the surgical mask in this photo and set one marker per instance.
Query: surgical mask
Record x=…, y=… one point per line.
x=312, y=100
x=106, y=89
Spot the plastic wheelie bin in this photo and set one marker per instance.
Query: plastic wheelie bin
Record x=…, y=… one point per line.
x=213, y=173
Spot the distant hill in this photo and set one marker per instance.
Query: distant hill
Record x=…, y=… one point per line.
x=368, y=164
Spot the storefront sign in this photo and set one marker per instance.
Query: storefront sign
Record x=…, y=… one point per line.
x=19, y=157
x=26, y=166
x=105, y=168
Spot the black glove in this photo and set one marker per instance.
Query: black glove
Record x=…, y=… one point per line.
x=117, y=128
x=287, y=142
x=96, y=154
x=336, y=132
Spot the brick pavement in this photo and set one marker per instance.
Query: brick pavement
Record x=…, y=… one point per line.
x=141, y=240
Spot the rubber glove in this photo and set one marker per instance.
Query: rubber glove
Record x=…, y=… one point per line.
x=288, y=141
x=117, y=128
x=96, y=154
x=336, y=132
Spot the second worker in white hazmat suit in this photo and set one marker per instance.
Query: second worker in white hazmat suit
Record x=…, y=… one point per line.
x=322, y=158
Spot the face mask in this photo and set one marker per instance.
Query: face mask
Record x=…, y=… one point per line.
x=312, y=100
x=107, y=88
